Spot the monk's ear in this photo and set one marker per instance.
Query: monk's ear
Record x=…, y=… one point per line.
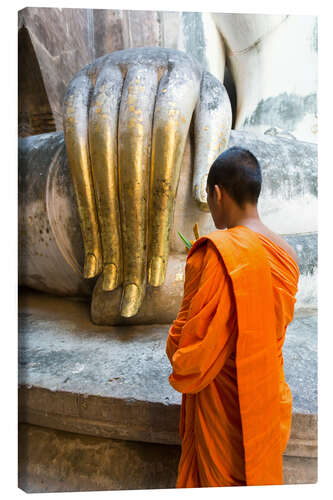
x=218, y=191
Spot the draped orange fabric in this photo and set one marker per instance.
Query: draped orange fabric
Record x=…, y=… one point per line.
x=225, y=348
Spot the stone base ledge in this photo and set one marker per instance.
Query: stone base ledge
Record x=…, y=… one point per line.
x=132, y=420
x=99, y=416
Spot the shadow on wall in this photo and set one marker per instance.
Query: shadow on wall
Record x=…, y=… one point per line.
x=34, y=111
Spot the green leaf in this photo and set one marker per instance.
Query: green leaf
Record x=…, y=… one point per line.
x=188, y=244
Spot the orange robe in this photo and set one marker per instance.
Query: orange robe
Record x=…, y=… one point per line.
x=225, y=348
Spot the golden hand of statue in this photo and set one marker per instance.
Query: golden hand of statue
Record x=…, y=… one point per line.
x=126, y=119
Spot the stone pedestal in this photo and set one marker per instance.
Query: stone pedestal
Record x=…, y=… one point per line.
x=95, y=402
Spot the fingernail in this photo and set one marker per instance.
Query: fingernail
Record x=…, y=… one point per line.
x=131, y=300
x=90, y=266
x=110, y=277
x=156, y=271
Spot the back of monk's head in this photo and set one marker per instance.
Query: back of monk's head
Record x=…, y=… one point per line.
x=238, y=171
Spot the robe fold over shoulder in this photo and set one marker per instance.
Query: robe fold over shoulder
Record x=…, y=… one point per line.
x=225, y=349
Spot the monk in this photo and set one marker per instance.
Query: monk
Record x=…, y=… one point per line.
x=225, y=347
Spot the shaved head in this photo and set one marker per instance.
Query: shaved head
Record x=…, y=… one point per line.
x=238, y=171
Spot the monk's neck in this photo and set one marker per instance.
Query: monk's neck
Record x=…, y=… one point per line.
x=247, y=217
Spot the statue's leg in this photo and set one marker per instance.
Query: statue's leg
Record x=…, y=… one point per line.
x=103, y=128
x=76, y=106
x=176, y=99
x=134, y=140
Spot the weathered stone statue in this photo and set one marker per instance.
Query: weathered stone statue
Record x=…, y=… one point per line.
x=126, y=120
x=120, y=115
x=52, y=248
x=267, y=62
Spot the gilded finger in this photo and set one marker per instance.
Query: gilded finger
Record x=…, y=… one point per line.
x=76, y=105
x=103, y=120
x=177, y=95
x=134, y=140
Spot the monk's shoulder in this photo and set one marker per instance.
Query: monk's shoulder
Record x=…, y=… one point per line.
x=196, y=256
x=289, y=249
x=212, y=254
x=204, y=255
x=278, y=240
x=263, y=231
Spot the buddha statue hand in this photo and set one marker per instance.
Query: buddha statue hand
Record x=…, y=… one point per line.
x=126, y=119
